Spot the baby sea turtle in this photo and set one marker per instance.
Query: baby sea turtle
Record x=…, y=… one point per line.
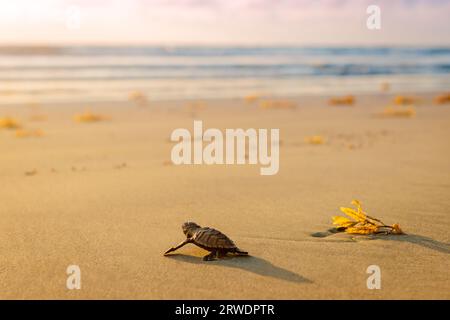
x=209, y=239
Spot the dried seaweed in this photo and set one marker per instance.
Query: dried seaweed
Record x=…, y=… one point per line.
x=89, y=117
x=9, y=123
x=442, y=99
x=277, y=104
x=337, y=101
x=360, y=222
x=399, y=112
x=315, y=140
x=403, y=100
x=251, y=98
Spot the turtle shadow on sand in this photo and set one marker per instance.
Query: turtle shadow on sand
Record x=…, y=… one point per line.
x=416, y=239
x=247, y=263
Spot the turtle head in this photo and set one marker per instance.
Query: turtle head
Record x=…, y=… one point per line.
x=189, y=228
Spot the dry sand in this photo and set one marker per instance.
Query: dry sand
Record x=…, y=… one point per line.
x=104, y=196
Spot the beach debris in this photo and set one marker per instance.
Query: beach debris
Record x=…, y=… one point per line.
x=88, y=117
x=403, y=100
x=209, y=239
x=138, y=97
x=340, y=101
x=399, y=112
x=442, y=99
x=77, y=169
x=31, y=173
x=315, y=140
x=277, y=104
x=252, y=98
x=361, y=223
x=24, y=133
x=9, y=123
x=121, y=166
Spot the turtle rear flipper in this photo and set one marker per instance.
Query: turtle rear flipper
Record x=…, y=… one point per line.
x=240, y=252
x=211, y=256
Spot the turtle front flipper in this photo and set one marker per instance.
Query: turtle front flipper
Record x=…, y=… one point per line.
x=185, y=242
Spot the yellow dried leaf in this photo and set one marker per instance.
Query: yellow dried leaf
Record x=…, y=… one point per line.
x=343, y=221
x=9, y=123
x=402, y=100
x=396, y=229
x=252, y=98
x=357, y=216
x=399, y=112
x=347, y=100
x=277, y=104
x=365, y=229
x=88, y=117
x=356, y=203
x=362, y=223
x=442, y=99
x=316, y=140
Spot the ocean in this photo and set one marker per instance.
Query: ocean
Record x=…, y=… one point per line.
x=95, y=73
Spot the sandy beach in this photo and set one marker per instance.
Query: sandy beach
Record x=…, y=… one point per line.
x=106, y=197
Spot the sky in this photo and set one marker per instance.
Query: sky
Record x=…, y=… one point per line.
x=223, y=22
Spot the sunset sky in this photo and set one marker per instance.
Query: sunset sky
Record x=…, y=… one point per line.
x=249, y=22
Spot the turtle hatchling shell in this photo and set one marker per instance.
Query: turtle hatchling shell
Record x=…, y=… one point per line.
x=212, y=238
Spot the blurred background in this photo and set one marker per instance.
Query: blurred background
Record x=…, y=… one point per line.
x=79, y=50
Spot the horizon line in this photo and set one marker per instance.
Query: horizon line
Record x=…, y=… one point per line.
x=219, y=44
